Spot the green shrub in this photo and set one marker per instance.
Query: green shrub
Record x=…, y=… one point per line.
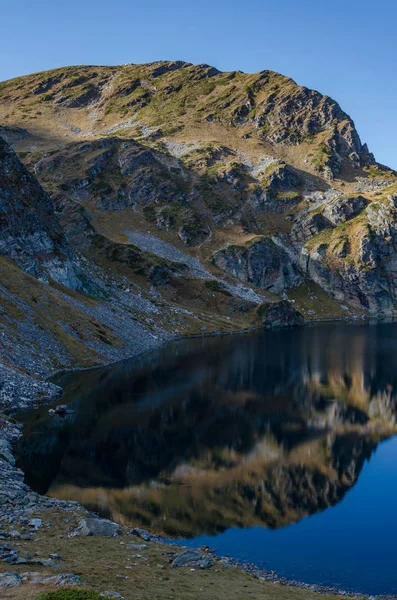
x=70, y=594
x=215, y=286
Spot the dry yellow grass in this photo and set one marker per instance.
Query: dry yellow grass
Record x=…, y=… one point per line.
x=101, y=561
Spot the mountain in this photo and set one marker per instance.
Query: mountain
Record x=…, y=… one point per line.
x=180, y=199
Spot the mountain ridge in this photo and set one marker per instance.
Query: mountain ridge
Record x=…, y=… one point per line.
x=93, y=79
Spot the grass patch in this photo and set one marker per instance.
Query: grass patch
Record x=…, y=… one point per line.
x=321, y=157
x=70, y=594
x=375, y=171
x=314, y=303
x=101, y=564
x=288, y=196
x=215, y=286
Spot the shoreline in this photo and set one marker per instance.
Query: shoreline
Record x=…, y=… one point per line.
x=362, y=320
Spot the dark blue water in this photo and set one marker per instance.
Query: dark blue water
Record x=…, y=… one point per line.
x=352, y=545
x=274, y=447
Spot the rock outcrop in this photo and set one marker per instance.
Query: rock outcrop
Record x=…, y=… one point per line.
x=358, y=263
x=280, y=314
x=261, y=262
x=30, y=233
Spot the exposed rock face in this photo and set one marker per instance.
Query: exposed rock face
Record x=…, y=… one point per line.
x=281, y=177
x=306, y=112
x=262, y=262
x=343, y=209
x=280, y=314
x=330, y=214
x=369, y=277
x=309, y=224
x=29, y=231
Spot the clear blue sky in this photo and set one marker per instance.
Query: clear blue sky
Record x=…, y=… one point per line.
x=344, y=48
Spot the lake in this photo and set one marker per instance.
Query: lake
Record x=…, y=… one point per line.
x=274, y=447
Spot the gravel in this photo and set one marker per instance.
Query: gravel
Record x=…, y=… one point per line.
x=179, y=149
x=153, y=244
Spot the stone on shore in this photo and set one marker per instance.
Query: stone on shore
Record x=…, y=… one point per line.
x=102, y=527
x=192, y=558
x=9, y=580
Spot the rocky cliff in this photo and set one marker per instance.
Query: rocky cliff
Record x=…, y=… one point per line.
x=29, y=231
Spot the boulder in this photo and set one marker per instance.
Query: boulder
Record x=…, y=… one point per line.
x=192, y=558
x=159, y=275
x=35, y=523
x=343, y=209
x=61, y=580
x=9, y=580
x=110, y=594
x=101, y=527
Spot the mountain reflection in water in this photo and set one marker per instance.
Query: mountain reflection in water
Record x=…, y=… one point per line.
x=207, y=434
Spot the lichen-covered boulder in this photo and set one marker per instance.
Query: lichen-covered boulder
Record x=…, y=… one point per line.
x=192, y=558
x=102, y=527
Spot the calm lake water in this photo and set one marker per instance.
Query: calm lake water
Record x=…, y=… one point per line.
x=274, y=447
